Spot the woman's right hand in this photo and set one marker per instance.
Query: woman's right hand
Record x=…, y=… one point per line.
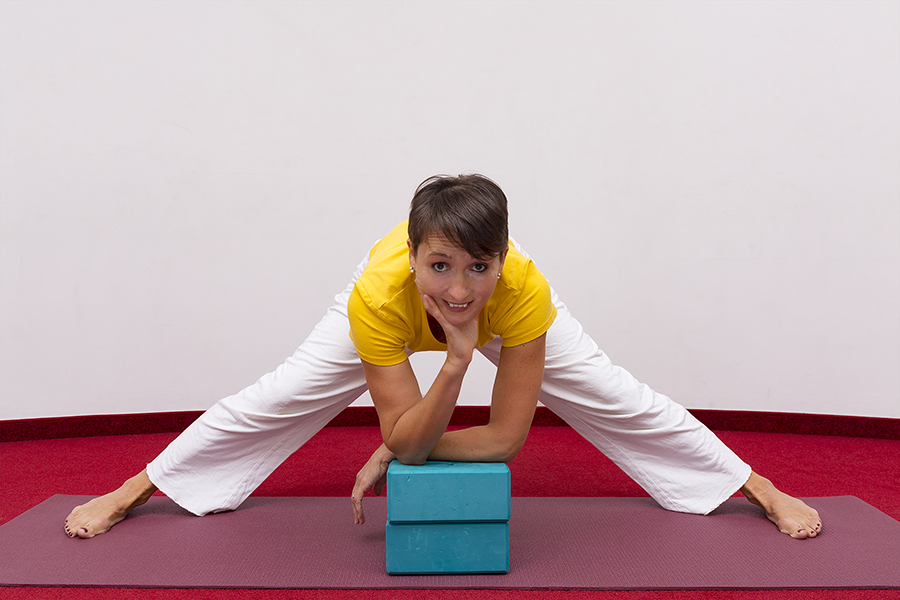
x=461, y=339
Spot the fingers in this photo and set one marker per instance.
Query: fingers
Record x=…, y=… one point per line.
x=435, y=311
x=432, y=308
x=363, y=483
x=359, y=517
x=461, y=338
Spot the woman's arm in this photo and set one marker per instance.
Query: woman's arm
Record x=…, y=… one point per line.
x=513, y=402
x=412, y=424
x=414, y=428
x=516, y=389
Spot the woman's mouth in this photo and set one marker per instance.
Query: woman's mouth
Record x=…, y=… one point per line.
x=457, y=307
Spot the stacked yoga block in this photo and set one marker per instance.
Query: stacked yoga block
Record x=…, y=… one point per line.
x=446, y=517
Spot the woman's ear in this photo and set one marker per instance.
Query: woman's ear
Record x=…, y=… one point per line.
x=412, y=256
x=503, y=257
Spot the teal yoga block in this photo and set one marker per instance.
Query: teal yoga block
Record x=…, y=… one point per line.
x=448, y=492
x=460, y=547
x=446, y=517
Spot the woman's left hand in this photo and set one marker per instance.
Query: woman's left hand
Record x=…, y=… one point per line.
x=371, y=477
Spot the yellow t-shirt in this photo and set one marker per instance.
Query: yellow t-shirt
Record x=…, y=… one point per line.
x=387, y=315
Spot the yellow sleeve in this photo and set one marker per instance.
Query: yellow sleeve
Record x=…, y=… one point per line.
x=531, y=312
x=377, y=340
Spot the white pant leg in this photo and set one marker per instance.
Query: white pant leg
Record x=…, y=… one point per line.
x=224, y=455
x=656, y=441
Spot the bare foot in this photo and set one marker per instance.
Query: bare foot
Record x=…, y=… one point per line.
x=790, y=515
x=98, y=515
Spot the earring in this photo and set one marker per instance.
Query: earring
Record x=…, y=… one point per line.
x=412, y=269
x=499, y=274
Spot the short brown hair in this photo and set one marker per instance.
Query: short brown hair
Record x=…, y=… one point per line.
x=469, y=211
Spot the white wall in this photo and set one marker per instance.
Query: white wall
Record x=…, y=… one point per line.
x=713, y=187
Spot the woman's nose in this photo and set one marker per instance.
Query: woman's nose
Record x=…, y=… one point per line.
x=457, y=289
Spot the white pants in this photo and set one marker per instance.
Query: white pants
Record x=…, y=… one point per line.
x=224, y=455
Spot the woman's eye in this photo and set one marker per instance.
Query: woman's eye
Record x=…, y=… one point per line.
x=439, y=267
x=479, y=267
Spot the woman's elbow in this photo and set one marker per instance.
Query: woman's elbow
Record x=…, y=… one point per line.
x=407, y=456
x=510, y=450
x=411, y=460
x=506, y=442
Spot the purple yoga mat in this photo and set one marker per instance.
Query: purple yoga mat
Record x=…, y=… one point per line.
x=556, y=543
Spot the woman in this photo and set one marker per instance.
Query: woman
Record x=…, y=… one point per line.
x=450, y=280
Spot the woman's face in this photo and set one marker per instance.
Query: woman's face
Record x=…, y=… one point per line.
x=459, y=284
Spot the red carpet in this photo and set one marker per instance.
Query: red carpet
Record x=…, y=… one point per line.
x=554, y=462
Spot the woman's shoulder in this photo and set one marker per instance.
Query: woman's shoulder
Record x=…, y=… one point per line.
x=386, y=274
x=394, y=241
x=521, y=308
x=520, y=273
